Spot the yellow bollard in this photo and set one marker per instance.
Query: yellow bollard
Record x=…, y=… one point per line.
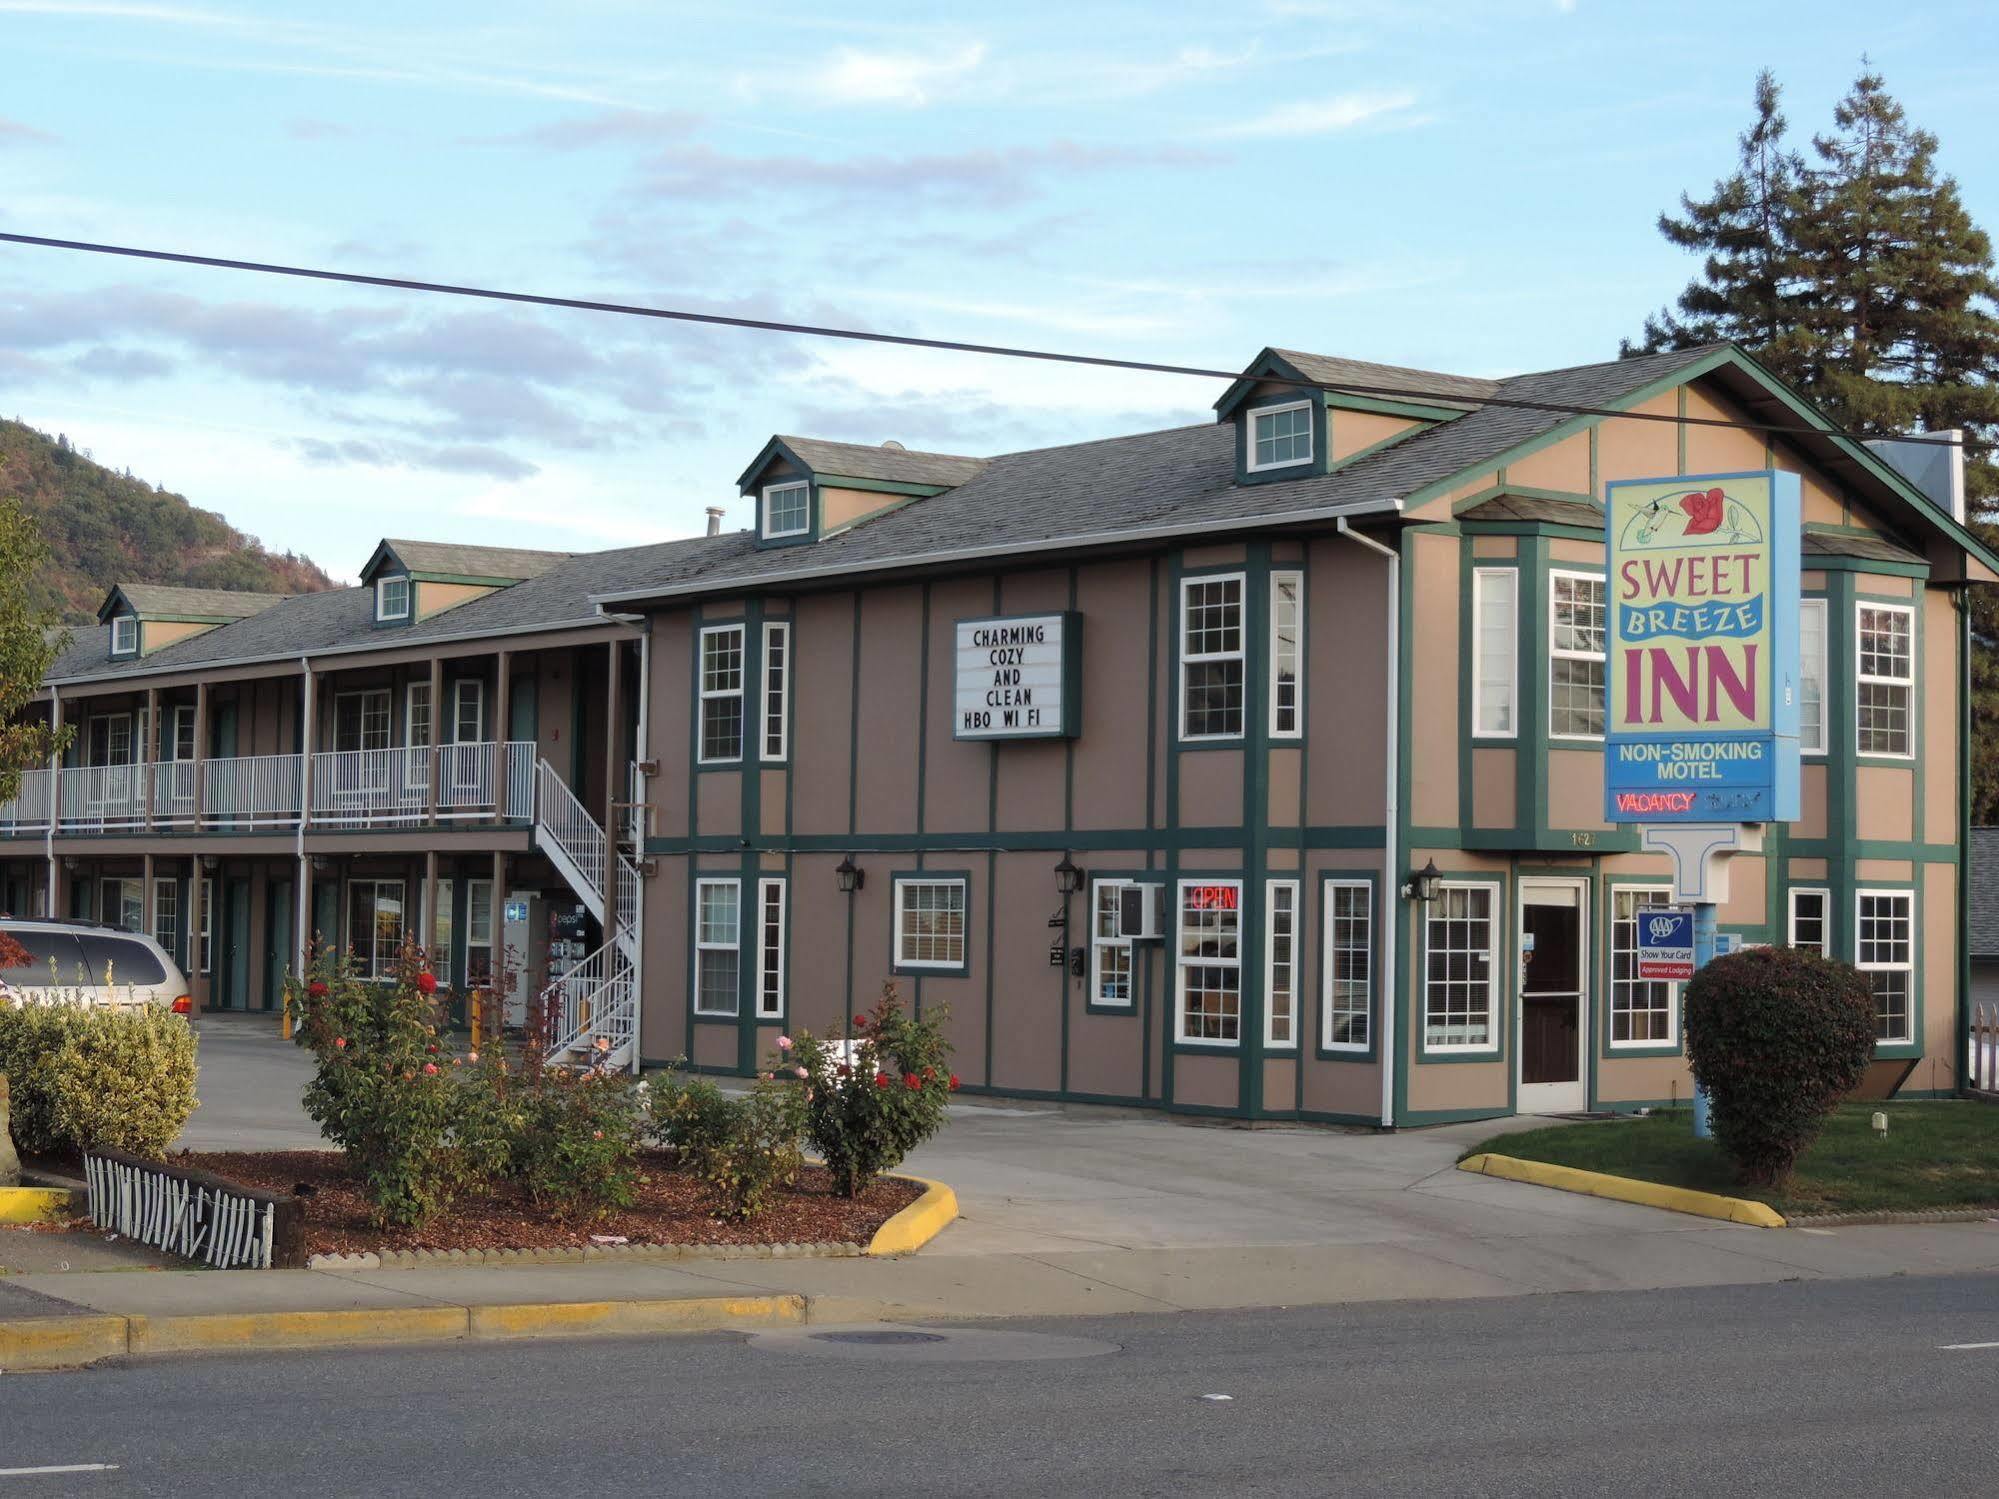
x=285, y=1017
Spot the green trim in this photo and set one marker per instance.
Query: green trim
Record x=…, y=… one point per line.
x=1371, y=877
x=1831, y=563
x=880, y=486
x=1504, y=887
x=1378, y=445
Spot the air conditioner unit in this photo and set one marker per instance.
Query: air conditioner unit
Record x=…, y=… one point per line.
x=1141, y=912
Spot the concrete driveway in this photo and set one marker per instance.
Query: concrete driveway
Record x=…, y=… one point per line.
x=1092, y=1210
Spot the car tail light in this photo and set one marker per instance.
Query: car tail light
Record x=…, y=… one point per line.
x=183, y=1006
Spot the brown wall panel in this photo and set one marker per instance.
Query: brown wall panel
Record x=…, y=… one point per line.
x=1211, y=788
x=956, y=772
x=891, y=647
x=822, y=712
x=1110, y=780
x=1202, y=1081
x=1028, y=995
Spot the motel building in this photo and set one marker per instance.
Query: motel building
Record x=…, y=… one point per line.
x=1252, y=769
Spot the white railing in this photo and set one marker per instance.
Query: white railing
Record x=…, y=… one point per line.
x=371, y=786
x=1985, y=1049
x=173, y=793
x=102, y=798
x=568, y=825
x=597, y=1010
x=520, y=764
x=255, y=791
x=29, y=811
x=486, y=780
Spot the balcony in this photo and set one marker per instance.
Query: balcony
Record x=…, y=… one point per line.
x=257, y=793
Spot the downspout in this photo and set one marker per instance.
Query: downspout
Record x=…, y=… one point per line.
x=1391, y=876
x=302, y=937
x=641, y=746
x=55, y=802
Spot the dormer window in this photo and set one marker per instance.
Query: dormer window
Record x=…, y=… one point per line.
x=787, y=510
x=1280, y=436
x=124, y=635
x=392, y=598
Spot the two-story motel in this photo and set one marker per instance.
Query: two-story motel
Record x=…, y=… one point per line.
x=1251, y=768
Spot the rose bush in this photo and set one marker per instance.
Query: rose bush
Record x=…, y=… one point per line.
x=875, y=1093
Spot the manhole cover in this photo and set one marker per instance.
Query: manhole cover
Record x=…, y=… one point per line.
x=877, y=1338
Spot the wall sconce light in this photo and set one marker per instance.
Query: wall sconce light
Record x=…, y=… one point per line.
x=852, y=876
x=1068, y=878
x=1423, y=883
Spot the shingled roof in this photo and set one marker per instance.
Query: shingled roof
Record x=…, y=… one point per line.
x=887, y=463
x=1981, y=889
x=1416, y=384
x=449, y=559
x=160, y=601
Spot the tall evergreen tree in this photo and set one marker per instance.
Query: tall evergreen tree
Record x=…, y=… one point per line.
x=1748, y=287
x=28, y=644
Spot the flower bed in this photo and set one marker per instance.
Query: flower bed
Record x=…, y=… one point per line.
x=669, y=1206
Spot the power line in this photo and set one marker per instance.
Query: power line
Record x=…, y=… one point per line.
x=947, y=345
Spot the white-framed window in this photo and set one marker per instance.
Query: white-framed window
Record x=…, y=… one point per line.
x=1280, y=436
x=1460, y=954
x=1885, y=641
x=930, y=924
x=124, y=634
x=1810, y=924
x=1111, y=967
x=1347, y=998
x=392, y=597
x=205, y=938
x=361, y=720
x=374, y=925
x=1211, y=657
x=1280, y=963
x=166, y=916
x=721, y=693
x=777, y=689
x=1811, y=676
x=443, y=931
x=1643, y=1012
x=1495, y=593
x=1575, y=655
x=468, y=710
x=1208, y=962
x=416, y=714
x=180, y=740
x=1884, y=948
x=111, y=739
x=1287, y=654
x=770, y=948
x=787, y=510
x=478, y=933
x=122, y=903
x=718, y=947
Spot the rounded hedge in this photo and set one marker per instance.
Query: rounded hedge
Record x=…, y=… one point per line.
x=1777, y=1036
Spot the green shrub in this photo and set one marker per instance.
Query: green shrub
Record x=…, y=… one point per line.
x=88, y=1077
x=750, y=1145
x=873, y=1101
x=687, y=1113
x=1777, y=1036
x=385, y=1090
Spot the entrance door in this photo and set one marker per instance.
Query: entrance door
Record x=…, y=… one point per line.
x=232, y=964
x=278, y=953
x=1553, y=962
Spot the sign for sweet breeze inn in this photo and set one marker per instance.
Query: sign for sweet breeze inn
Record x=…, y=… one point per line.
x=1702, y=648
x=1019, y=677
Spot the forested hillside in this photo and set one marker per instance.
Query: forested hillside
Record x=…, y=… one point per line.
x=104, y=527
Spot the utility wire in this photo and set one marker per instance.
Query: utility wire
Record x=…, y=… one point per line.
x=1005, y=351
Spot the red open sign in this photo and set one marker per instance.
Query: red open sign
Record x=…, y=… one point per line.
x=1213, y=897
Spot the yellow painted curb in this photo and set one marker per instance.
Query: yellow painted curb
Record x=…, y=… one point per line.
x=919, y=1223
x=33, y=1204
x=686, y=1314
x=260, y=1331
x=1625, y=1189
x=59, y=1342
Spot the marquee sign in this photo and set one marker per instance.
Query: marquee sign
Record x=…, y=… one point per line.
x=1701, y=627
x=1019, y=677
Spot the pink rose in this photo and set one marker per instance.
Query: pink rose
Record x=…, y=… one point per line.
x=802, y=1072
x=430, y=1069
x=784, y=1043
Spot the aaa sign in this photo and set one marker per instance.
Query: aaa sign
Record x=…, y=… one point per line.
x=1702, y=670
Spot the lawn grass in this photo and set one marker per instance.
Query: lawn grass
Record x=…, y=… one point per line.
x=1943, y=1154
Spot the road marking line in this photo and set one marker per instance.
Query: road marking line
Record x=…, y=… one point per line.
x=59, y=1468
x=1961, y=1347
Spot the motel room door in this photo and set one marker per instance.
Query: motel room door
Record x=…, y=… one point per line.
x=1554, y=962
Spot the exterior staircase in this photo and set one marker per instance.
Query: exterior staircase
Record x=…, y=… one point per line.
x=598, y=997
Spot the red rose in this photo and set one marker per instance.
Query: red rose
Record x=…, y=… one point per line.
x=339, y=1043
x=911, y=1081
x=1704, y=511
x=860, y=1022
x=881, y=1079
x=845, y=1070
x=317, y=989
x=426, y=982
x=432, y=1048
x=954, y=1082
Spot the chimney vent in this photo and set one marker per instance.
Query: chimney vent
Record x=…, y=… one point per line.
x=714, y=520
x=895, y=447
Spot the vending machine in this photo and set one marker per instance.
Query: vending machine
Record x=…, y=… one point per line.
x=524, y=939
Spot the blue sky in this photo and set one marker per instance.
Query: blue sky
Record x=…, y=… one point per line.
x=1464, y=186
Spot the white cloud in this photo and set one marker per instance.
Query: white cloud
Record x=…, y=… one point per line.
x=905, y=78
x=1325, y=116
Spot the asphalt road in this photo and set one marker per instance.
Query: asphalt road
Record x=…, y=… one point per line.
x=1795, y=1388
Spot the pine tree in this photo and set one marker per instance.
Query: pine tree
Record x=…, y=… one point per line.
x=28, y=645
x=1748, y=288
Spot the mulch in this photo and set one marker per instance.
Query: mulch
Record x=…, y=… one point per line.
x=671, y=1207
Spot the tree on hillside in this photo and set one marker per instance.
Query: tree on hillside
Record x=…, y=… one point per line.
x=28, y=644
x=1859, y=277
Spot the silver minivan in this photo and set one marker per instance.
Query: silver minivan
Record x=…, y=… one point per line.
x=87, y=962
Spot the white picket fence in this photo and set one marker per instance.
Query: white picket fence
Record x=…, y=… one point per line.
x=229, y=1230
